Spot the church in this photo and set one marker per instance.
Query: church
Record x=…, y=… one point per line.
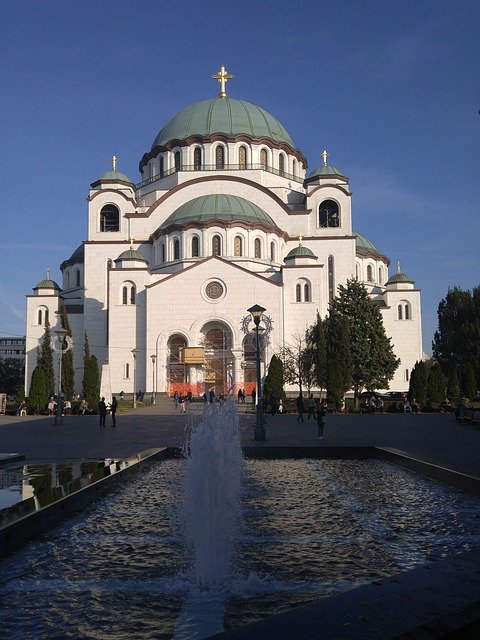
x=225, y=216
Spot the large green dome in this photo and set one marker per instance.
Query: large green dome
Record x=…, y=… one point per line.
x=222, y=115
x=222, y=207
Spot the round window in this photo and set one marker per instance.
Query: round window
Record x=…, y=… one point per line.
x=214, y=290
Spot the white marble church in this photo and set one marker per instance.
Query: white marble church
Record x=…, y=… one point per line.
x=225, y=216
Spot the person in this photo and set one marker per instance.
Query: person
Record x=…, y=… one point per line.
x=67, y=407
x=415, y=406
x=22, y=410
x=379, y=405
x=189, y=396
x=183, y=403
x=373, y=404
x=204, y=397
x=321, y=419
x=280, y=406
x=254, y=395
x=102, y=411
x=175, y=399
x=113, y=411
x=312, y=407
x=51, y=407
x=446, y=405
x=300, y=408
x=211, y=396
x=407, y=408
x=239, y=396
x=83, y=406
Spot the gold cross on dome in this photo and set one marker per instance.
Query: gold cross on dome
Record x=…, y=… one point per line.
x=398, y=267
x=114, y=163
x=48, y=274
x=223, y=77
x=300, y=240
x=324, y=156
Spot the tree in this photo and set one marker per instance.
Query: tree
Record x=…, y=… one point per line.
x=37, y=397
x=335, y=385
x=316, y=353
x=436, y=384
x=338, y=348
x=45, y=359
x=274, y=382
x=293, y=359
x=68, y=372
x=453, y=386
x=458, y=335
x=373, y=361
x=91, y=381
x=469, y=383
x=418, y=383
x=12, y=371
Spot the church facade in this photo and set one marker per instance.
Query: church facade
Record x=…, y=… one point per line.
x=224, y=217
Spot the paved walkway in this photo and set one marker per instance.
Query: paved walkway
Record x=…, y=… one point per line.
x=437, y=438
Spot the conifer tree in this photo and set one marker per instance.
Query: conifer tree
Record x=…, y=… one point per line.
x=436, y=384
x=316, y=353
x=45, y=360
x=373, y=361
x=469, y=383
x=68, y=373
x=335, y=385
x=275, y=382
x=91, y=381
x=338, y=347
x=418, y=383
x=453, y=387
x=37, y=397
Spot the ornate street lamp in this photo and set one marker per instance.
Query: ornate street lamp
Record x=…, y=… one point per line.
x=259, y=429
x=153, y=358
x=61, y=334
x=134, y=353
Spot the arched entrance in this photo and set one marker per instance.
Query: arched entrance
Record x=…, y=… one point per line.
x=249, y=363
x=176, y=370
x=219, y=359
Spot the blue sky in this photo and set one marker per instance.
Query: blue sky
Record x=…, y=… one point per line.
x=390, y=89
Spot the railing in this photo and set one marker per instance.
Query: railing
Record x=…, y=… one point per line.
x=225, y=167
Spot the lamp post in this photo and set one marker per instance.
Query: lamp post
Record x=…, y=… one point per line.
x=134, y=353
x=153, y=358
x=60, y=333
x=259, y=429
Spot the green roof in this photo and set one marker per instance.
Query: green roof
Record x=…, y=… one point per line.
x=363, y=243
x=400, y=277
x=221, y=207
x=299, y=252
x=222, y=115
x=325, y=170
x=47, y=284
x=113, y=175
x=131, y=254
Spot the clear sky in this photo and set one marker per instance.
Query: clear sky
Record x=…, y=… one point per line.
x=390, y=89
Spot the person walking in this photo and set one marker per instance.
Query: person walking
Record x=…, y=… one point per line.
x=102, y=412
x=300, y=408
x=312, y=407
x=321, y=419
x=113, y=411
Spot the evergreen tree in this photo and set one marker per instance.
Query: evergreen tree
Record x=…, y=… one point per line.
x=68, y=373
x=436, y=384
x=418, y=383
x=458, y=333
x=275, y=382
x=316, y=353
x=338, y=346
x=37, y=397
x=86, y=360
x=335, y=385
x=45, y=359
x=91, y=381
x=373, y=361
x=20, y=396
x=453, y=387
x=469, y=383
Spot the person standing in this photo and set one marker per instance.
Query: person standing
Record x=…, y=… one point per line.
x=113, y=411
x=321, y=419
x=300, y=408
x=312, y=407
x=102, y=412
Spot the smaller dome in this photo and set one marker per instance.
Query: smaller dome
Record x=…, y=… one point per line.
x=400, y=277
x=131, y=254
x=325, y=170
x=116, y=176
x=300, y=252
x=47, y=284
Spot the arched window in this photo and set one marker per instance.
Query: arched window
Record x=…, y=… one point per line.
x=242, y=157
x=126, y=370
x=176, y=249
x=177, y=160
x=306, y=292
x=77, y=278
x=258, y=248
x=161, y=167
x=369, y=273
x=281, y=164
x=197, y=158
x=263, y=157
x=219, y=157
x=162, y=252
x=328, y=214
x=128, y=293
x=331, y=278
x=67, y=279
x=40, y=317
x=125, y=295
x=195, y=247
x=298, y=293
x=272, y=251
x=132, y=294
x=46, y=316
x=357, y=271
x=294, y=167
x=407, y=312
x=216, y=246
x=400, y=312
x=380, y=275
x=238, y=246
x=109, y=218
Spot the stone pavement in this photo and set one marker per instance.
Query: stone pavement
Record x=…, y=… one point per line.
x=436, y=438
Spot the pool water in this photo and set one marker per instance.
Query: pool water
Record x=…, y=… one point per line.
x=310, y=529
